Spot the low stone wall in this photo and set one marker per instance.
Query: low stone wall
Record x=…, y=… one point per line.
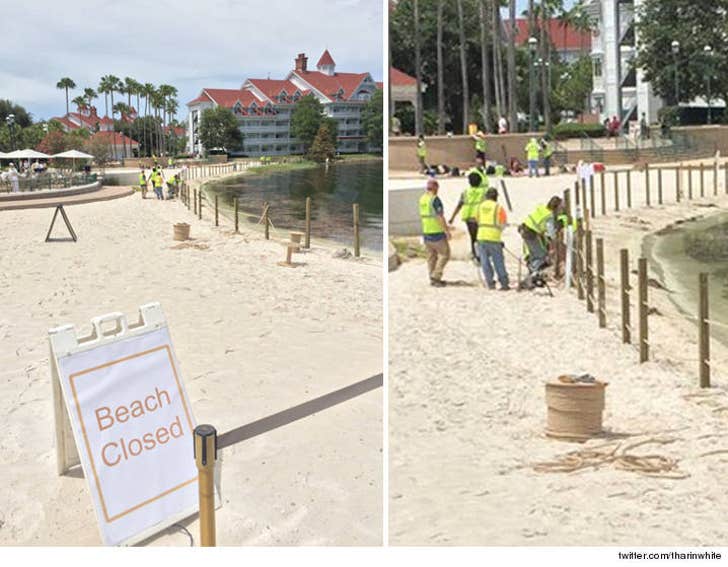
x=45, y=193
x=404, y=219
x=455, y=150
x=715, y=136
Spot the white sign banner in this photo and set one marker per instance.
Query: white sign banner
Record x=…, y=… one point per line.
x=133, y=427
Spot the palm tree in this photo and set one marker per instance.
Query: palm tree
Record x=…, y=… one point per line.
x=440, y=72
x=463, y=68
x=105, y=87
x=89, y=94
x=114, y=86
x=485, y=67
x=123, y=110
x=171, y=109
x=168, y=93
x=418, y=72
x=512, y=102
x=64, y=84
x=81, y=103
x=148, y=92
x=497, y=62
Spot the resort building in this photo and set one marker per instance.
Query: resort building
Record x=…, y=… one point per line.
x=263, y=108
x=568, y=42
x=101, y=128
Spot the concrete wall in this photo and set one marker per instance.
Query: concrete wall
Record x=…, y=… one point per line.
x=455, y=150
x=404, y=218
x=714, y=138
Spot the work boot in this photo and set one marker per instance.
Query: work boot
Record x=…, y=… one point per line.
x=437, y=283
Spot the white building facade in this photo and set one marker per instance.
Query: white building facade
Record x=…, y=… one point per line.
x=619, y=89
x=264, y=107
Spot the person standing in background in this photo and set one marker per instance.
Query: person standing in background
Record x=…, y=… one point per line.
x=435, y=233
x=422, y=153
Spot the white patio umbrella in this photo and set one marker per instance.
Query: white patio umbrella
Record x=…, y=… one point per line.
x=26, y=154
x=73, y=155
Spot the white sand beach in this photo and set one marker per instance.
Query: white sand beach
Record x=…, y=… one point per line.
x=253, y=338
x=468, y=412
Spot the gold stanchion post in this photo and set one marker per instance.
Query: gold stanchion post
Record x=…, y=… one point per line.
x=205, y=452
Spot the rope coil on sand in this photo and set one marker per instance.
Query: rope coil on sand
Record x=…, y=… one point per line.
x=655, y=466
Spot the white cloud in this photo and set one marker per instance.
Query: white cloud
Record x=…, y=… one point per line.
x=187, y=43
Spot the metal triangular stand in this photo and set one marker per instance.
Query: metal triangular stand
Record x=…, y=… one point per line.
x=73, y=238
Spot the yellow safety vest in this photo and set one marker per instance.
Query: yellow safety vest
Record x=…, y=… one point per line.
x=430, y=219
x=157, y=180
x=536, y=221
x=532, y=151
x=142, y=180
x=472, y=197
x=500, y=170
x=480, y=145
x=421, y=150
x=489, y=229
x=548, y=150
x=483, y=176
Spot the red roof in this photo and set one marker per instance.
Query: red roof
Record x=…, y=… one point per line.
x=326, y=59
x=563, y=37
x=329, y=85
x=272, y=87
x=400, y=79
x=202, y=98
x=109, y=137
x=66, y=122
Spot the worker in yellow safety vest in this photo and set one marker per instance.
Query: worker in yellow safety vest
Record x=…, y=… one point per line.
x=143, y=183
x=435, y=232
x=538, y=230
x=532, y=151
x=422, y=153
x=158, y=183
x=467, y=206
x=492, y=220
x=480, y=145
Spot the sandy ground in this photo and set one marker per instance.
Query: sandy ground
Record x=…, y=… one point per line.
x=252, y=338
x=467, y=405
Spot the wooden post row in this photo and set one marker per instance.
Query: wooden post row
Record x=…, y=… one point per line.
x=643, y=309
x=357, y=248
x=308, y=223
x=704, y=333
x=589, y=272
x=624, y=280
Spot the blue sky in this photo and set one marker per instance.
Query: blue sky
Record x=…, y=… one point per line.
x=190, y=44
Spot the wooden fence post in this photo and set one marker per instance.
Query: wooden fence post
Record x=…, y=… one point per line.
x=579, y=260
x=308, y=223
x=704, y=333
x=725, y=177
x=235, y=204
x=643, y=309
x=629, y=188
x=715, y=178
x=357, y=249
x=647, y=183
x=690, y=182
x=659, y=186
x=194, y=203
x=678, y=183
x=702, y=179
x=216, y=215
x=624, y=280
x=587, y=213
x=591, y=195
x=199, y=204
x=266, y=220
x=616, y=191
x=601, y=285
x=604, y=193
x=589, y=271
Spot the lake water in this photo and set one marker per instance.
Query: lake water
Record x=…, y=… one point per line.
x=333, y=190
x=689, y=249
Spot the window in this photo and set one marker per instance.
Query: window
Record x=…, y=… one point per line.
x=597, y=66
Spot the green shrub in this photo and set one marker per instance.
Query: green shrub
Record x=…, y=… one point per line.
x=566, y=130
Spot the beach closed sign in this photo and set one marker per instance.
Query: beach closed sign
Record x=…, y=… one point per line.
x=133, y=427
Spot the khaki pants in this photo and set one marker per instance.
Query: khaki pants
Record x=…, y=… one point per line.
x=438, y=253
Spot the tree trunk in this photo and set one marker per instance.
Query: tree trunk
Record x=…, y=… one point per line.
x=496, y=83
x=463, y=68
x=501, y=75
x=545, y=69
x=419, y=126
x=485, y=67
x=66, y=101
x=512, y=106
x=440, y=72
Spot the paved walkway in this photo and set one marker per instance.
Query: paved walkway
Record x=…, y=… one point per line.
x=103, y=194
